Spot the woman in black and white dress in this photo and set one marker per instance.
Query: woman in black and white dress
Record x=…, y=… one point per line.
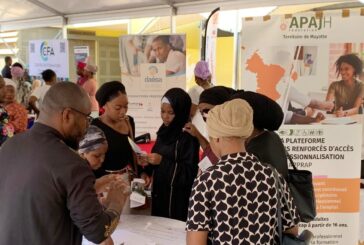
x=235, y=201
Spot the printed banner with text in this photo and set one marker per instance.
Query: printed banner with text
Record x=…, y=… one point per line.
x=48, y=54
x=150, y=65
x=311, y=66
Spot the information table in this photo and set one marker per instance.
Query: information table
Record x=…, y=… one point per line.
x=148, y=230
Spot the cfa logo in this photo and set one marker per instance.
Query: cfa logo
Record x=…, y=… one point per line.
x=303, y=22
x=45, y=51
x=152, y=71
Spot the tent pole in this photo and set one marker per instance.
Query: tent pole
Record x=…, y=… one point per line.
x=172, y=19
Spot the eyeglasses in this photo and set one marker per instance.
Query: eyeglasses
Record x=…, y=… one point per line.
x=88, y=117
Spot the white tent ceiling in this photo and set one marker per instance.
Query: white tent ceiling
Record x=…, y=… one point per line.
x=17, y=14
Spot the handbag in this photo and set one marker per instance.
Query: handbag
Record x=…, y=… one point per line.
x=285, y=238
x=301, y=187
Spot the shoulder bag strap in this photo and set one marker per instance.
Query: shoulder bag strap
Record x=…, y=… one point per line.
x=290, y=159
x=279, y=208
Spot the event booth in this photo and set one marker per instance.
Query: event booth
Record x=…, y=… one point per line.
x=284, y=49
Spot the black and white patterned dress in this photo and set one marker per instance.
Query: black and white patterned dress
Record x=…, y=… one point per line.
x=236, y=202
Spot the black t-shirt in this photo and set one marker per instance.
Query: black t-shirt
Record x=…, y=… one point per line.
x=119, y=153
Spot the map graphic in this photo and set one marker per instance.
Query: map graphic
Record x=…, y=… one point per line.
x=268, y=75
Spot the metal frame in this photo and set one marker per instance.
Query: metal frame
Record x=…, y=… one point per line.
x=167, y=8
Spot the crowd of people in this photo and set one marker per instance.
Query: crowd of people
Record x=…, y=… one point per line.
x=57, y=171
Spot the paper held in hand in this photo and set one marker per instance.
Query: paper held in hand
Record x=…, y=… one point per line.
x=135, y=147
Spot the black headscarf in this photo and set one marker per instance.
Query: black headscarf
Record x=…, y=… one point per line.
x=108, y=91
x=181, y=103
x=267, y=114
x=216, y=95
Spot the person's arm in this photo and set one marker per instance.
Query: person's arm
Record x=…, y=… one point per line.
x=330, y=96
x=197, y=237
x=299, y=119
x=345, y=113
x=289, y=223
x=193, y=110
x=322, y=105
x=192, y=130
x=103, y=182
x=357, y=104
x=32, y=104
x=197, y=231
x=95, y=223
x=174, y=62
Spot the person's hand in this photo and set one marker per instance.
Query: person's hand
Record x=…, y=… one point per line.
x=108, y=241
x=328, y=105
x=147, y=179
x=319, y=117
x=309, y=111
x=142, y=159
x=154, y=158
x=191, y=129
x=103, y=182
x=340, y=112
x=118, y=193
x=322, y=105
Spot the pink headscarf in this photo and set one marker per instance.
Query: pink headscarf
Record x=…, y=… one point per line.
x=202, y=70
x=17, y=72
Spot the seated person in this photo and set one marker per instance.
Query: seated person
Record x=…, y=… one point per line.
x=348, y=93
x=18, y=115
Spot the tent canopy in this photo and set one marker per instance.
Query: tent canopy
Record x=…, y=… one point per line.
x=18, y=14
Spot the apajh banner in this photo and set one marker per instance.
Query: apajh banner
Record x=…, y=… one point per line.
x=150, y=65
x=48, y=54
x=302, y=62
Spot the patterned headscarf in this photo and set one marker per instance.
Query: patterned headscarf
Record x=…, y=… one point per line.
x=93, y=139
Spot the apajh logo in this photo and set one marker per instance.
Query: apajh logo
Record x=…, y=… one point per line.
x=304, y=23
x=45, y=51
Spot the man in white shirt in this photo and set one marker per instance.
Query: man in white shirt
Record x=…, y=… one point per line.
x=175, y=60
x=36, y=99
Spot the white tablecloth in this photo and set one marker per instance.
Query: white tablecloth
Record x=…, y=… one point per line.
x=148, y=230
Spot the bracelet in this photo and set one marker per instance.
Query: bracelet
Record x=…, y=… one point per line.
x=346, y=113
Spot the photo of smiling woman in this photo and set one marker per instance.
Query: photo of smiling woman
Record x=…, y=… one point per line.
x=174, y=158
x=348, y=93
